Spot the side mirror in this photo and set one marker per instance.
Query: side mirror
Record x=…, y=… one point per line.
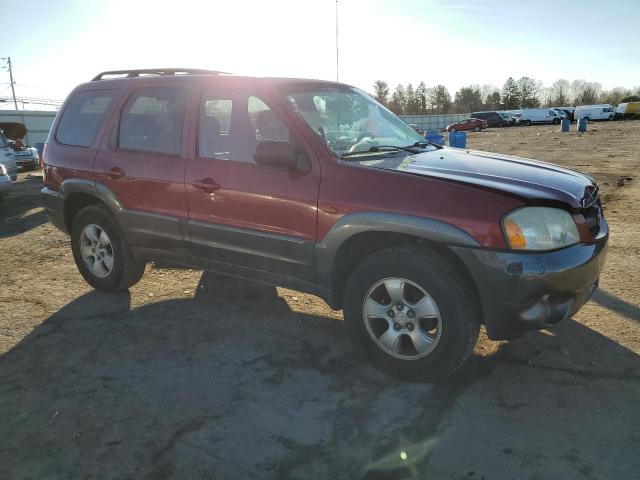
x=276, y=154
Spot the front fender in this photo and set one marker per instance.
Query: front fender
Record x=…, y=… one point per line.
x=360, y=222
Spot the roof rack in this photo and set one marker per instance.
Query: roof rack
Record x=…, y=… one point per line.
x=156, y=71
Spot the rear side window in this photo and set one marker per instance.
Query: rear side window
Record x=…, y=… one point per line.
x=83, y=117
x=152, y=120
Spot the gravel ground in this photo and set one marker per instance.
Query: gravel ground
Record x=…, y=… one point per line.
x=193, y=376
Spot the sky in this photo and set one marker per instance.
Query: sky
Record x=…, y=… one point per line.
x=58, y=44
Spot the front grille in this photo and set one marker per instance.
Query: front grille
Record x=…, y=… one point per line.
x=592, y=216
x=590, y=196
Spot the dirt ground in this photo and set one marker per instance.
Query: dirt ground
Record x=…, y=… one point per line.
x=184, y=378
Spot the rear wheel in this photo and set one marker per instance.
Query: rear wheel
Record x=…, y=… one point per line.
x=527, y=123
x=414, y=314
x=476, y=129
x=100, y=251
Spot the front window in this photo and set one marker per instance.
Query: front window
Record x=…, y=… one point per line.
x=349, y=120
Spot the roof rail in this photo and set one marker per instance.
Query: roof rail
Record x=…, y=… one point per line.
x=157, y=71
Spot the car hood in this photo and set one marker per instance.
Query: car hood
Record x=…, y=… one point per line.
x=528, y=179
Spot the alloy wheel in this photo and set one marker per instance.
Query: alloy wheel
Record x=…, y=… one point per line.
x=96, y=250
x=402, y=318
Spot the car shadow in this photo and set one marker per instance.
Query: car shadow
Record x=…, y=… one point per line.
x=223, y=385
x=616, y=304
x=21, y=209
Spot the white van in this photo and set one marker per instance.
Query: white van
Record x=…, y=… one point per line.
x=540, y=115
x=595, y=112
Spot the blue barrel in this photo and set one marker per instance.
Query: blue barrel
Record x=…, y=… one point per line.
x=582, y=124
x=434, y=136
x=458, y=139
x=565, y=124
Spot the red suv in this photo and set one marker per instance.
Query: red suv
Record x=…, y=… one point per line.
x=315, y=186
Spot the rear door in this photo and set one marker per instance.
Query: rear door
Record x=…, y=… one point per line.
x=242, y=213
x=142, y=161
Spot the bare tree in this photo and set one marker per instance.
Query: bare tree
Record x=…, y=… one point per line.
x=559, y=93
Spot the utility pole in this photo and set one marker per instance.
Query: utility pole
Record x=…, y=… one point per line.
x=13, y=90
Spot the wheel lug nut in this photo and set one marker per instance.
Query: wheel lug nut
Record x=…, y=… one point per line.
x=396, y=326
x=410, y=314
x=399, y=306
x=410, y=327
x=391, y=313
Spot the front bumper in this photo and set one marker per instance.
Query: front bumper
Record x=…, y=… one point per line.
x=5, y=184
x=521, y=292
x=53, y=203
x=29, y=161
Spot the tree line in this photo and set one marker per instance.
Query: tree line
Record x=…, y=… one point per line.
x=525, y=92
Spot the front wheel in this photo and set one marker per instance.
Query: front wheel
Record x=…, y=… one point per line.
x=100, y=251
x=528, y=123
x=476, y=129
x=413, y=312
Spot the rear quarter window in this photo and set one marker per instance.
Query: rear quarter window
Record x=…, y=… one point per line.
x=83, y=117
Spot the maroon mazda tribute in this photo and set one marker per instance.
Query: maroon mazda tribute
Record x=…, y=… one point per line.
x=315, y=186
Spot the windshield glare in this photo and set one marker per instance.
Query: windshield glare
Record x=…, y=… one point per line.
x=351, y=121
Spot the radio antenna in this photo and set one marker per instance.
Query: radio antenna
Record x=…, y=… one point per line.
x=337, y=50
x=337, y=79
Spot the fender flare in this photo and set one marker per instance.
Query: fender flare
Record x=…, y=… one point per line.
x=384, y=222
x=93, y=188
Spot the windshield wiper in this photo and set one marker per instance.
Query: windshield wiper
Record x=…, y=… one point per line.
x=381, y=148
x=425, y=143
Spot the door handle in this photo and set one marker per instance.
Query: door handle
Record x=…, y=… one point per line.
x=115, y=173
x=207, y=185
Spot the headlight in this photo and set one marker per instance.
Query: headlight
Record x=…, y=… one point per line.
x=3, y=169
x=540, y=228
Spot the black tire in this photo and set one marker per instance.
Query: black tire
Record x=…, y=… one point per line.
x=556, y=121
x=452, y=292
x=476, y=129
x=126, y=270
x=528, y=123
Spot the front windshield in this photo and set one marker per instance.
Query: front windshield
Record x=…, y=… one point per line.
x=349, y=120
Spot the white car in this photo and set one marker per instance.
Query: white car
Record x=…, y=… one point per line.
x=5, y=181
x=595, y=112
x=28, y=158
x=8, y=157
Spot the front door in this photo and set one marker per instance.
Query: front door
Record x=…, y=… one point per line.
x=240, y=212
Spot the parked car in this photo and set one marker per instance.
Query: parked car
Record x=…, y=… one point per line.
x=28, y=158
x=540, y=115
x=8, y=157
x=629, y=109
x=595, y=112
x=255, y=178
x=493, y=119
x=475, y=124
x=5, y=181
